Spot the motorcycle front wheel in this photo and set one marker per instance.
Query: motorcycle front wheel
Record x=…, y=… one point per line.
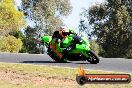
x=93, y=58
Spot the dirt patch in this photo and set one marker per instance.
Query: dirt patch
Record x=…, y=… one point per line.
x=22, y=78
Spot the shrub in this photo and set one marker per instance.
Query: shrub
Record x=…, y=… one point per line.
x=94, y=46
x=10, y=44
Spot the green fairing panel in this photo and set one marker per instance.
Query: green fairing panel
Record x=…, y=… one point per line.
x=86, y=41
x=46, y=39
x=82, y=47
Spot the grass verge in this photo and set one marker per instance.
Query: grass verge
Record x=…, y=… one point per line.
x=34, y=76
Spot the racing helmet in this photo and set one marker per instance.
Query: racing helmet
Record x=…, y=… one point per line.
x=63, y=31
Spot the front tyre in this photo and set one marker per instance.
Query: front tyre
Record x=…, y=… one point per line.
x=93, y=58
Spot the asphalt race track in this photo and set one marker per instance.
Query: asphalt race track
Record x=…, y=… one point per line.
x=108, y=64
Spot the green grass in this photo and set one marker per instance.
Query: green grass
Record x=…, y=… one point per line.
x=51, y=71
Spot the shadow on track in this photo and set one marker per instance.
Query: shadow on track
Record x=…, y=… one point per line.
x=82, y=63
x=42, y=62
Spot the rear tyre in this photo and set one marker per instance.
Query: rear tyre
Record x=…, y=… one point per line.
x=53, y=55
x=93, y=58
x=63, y=59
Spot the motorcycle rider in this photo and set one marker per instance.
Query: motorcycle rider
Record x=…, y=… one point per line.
x=64, y=32
x=61, y=33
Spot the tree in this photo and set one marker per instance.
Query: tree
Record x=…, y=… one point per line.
x=112, y=24
x=22, y=37
x=84, y=28
x=10, y=18
x=46, y=14
x=30, y=41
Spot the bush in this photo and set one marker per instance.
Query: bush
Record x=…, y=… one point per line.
x=94, y=46
x=129, y=52
x=23, y=50
x=10, y=44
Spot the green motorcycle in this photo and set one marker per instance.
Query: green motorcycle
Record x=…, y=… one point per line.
x=72, y=48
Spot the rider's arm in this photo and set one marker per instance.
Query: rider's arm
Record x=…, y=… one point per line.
x=55, y=34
